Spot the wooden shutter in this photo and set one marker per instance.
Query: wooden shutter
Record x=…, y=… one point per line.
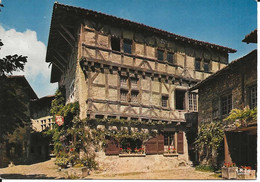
x=180, y=142
x=151, y=146
x=160, y=139
x=155, y=145
x=112, y=147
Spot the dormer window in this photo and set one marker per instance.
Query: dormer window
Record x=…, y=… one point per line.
x=127, y=46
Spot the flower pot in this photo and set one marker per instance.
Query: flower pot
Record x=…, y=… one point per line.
x=229, y=172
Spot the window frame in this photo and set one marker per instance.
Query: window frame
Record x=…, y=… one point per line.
x=165, y=101
x=193, y=101
x=197, y=60
x=113, y=38
x=126, y=43
x=206, y=62
x=226, y=99
x=184, y=104
x=136, y=93
x=172, y=58
x=251, y=104
x=161, y=51
x=125, y=95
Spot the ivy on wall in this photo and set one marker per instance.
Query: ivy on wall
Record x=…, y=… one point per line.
x=72, y=137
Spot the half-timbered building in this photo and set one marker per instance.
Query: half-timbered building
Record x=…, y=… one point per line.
x=120, y=69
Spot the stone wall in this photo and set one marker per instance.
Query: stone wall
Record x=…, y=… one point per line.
x=236, y=80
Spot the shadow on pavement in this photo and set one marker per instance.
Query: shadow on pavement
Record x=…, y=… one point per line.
x=20, y=176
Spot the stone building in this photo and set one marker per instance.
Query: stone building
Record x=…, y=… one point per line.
x=120, y=69
x=233, y=87
x=40, y=113
x=41, y=120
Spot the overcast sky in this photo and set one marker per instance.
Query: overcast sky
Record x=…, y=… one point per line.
x=24, y=26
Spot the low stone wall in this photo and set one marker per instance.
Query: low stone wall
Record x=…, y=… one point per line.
x=118, y=164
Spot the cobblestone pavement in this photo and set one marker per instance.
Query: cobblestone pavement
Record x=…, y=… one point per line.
x=179, y=173
x=47, y=170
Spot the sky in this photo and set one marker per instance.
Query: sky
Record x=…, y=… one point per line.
x=25, y=24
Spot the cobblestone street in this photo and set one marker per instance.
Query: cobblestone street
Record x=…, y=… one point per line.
x=47, y=170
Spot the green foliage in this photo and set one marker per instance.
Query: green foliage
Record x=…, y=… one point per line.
x=125, y=122
x=239, y=116
x=210, y=134
x=209, y=139
x=12, y=106
x=204, y=168
x=61, y=161
x=71, y=137
x=9, y=64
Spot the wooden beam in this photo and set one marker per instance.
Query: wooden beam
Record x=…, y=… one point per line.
x=67, y=32
x=65, y=38
x=58, y=66
x=60, y=56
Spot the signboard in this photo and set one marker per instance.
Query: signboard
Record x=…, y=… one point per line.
x=59, y=120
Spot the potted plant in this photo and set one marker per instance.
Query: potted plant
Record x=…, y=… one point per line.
x=229, y=171
x=121, y=150
x=246, y=172
x=136, y=150
x=173, y=150
x=129, y=150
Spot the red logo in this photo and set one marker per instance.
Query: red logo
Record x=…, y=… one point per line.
x=59, y=120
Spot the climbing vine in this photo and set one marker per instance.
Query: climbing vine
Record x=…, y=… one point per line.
x=209, y=139
x=71, y=138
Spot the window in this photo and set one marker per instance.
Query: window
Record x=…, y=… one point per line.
x=170, y=57
x=123, y=95
x=160, y=55
x=197, y=64
x=226, y=104
x=206, y=66
x=193, y=102
x=123, y=81
x=164, y=101
x=180, y=99
x=253, y=97
x=115, y=43
x=134, y=96
x=127, y=46
x=134, y=82
x=168, y=141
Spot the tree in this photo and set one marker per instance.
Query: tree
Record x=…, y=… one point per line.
x=13, y=110
x=208, y=141
x=9, y=64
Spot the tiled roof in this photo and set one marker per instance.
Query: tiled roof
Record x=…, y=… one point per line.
x=96, y=14
x=251, y=37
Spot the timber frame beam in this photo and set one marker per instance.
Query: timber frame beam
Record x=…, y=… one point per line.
x=97, y=64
